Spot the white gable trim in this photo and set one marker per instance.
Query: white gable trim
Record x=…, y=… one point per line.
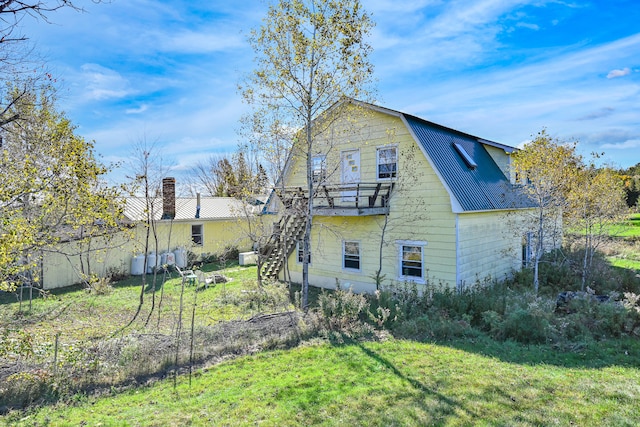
x=456, y=207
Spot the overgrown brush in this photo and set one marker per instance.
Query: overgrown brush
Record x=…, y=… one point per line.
x=342, y=310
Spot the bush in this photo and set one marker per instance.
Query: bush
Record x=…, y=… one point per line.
x=525, y=326
x=395, y=303
x=100, y=285
x=341, y=310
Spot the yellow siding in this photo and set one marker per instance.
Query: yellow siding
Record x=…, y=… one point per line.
x=63, y=268
x=420, y=209
x=489, y=246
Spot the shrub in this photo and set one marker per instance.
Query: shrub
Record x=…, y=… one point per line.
x=341, y=310
x=100, y=285
x=395, y=303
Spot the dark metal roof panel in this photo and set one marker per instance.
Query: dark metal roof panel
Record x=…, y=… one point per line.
x=481, y=188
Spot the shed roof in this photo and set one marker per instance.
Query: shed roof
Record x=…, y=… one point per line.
x=211, y=208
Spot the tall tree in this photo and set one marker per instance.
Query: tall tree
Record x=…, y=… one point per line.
x=52, y=188
x=311, y=54
x=546, y=168
x=222, y=176
x=596, y=202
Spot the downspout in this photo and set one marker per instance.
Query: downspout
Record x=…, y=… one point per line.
x=457, y=234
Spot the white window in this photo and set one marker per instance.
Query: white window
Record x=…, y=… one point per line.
x=300, y=252
x=351, y=255
x=319, y=168
x=196, y=234
x=411, y=261
x=387, y=159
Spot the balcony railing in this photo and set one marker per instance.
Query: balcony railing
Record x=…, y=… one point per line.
x=356, y=199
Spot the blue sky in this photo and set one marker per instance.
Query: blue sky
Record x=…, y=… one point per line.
x=166, y=71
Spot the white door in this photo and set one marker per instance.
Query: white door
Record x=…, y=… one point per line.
x=350, y=173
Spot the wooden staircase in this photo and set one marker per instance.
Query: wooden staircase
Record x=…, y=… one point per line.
x=282, y=243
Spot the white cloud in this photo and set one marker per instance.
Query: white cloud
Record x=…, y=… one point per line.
x=632, y=143
x=103, y=83
x=619, y=73
x=202, y=42
x=139, y=110
x=534, y=27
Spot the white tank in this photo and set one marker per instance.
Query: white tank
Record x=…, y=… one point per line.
x=181, y=257
x=152, y=262
x=137, y=265
x=168, y=258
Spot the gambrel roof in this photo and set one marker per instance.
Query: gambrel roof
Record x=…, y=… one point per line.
x=468, y=170
x=471, y=176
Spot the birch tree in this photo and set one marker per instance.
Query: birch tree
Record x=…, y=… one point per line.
x=596, y=202
x=310, y=54
x=545, y=168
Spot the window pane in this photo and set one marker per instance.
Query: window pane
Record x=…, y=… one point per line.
x=351, y=255
x=387, y=162
x=318, y=168
x=301, y=253
x=412, y=261
x=196, y=234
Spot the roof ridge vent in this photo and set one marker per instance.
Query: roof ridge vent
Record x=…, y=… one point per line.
x=465, y=156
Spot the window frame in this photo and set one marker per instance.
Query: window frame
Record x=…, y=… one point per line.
x=322, y=172
x=394, y=173
x=527, y=249
x=401, y=250
x=300, y=252
x=344, y=255
x=201, y=235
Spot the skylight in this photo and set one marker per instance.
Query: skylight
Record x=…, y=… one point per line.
x=465, y=156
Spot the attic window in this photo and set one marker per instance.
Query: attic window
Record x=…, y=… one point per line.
x=465, y=156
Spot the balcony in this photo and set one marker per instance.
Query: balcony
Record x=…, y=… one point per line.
x=359, y=199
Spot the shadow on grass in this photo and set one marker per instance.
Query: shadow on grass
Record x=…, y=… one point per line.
x=446, y=406
x=623, y=352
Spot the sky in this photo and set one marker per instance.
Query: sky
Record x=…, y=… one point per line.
x=166, y=72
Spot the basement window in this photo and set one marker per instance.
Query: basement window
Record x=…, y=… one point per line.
x=465, y=156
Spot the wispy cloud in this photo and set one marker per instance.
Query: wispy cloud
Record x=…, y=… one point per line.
x=201, y=42
x=619, y=73
x=632, y=143
x=603, y=112
x=141, y=109
x=102, y=83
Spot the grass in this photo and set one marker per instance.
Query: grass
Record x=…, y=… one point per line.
x=329, y=380
x=79, y=315
x=387, y=383
x=628, y=229
x=73, y=340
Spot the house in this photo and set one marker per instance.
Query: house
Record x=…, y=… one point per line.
x=414, y=200
x=202, y=225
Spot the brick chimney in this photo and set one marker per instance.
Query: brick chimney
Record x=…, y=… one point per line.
x=168, y=198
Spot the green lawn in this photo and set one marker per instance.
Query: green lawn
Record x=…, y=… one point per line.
x=630, y=228
x=77, y=315
x=332, y=381
x=389, y=383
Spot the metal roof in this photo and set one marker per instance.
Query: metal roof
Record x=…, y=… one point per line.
x=211, y=208
x=480, y=188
